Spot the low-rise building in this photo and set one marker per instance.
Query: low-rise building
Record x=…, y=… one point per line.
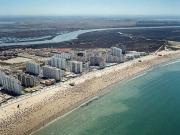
x=135, y=54
x=129, y=56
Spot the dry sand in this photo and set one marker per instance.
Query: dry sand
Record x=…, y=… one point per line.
x=16, y=60
x=43, y=107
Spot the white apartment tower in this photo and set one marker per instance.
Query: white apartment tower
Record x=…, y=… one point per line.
x=52, y=73
x=76, y=67
x=117, y=52
x=33, y=68
x=10, y=84
x=57, y=62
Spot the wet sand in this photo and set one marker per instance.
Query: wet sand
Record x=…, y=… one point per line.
x=41, y=108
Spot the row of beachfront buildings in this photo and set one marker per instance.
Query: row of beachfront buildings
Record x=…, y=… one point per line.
x=58, y=65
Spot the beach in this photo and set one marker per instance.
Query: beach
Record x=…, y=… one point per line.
x=41, y=108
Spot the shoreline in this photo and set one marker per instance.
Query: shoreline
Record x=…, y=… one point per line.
x=48, y=106
x=104, y=92
x=89, y=101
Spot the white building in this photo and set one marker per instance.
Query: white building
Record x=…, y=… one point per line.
x=64, y=55
x=10, y=84
x=117, y=52
x=136, y=54
x=52, y=73
x=76, y=67
x=57, y=62
x=97, y=61
x=33, y=68
x=113, y=59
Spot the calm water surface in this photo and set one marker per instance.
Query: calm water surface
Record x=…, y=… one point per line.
x=148, y=105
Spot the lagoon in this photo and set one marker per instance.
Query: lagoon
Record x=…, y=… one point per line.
x=74, y=35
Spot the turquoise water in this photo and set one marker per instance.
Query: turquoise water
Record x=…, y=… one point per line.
x=147, y=105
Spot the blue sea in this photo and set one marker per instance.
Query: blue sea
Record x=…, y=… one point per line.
x=146, y=105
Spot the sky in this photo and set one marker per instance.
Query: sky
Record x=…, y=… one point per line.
x=90, y=7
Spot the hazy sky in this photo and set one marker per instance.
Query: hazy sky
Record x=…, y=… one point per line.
x=89, y=7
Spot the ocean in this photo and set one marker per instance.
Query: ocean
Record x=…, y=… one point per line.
x=146, y=105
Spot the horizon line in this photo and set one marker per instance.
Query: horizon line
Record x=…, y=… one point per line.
x=88, y=15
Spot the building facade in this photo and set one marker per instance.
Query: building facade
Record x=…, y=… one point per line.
x=27, y=80
x=76, y=67
x=10, y=84
x=117, y=52
x=52, y=73
x=97, y=61
x=57, y=62
x=64, y=55
x=113, y=59
x=33, y=68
